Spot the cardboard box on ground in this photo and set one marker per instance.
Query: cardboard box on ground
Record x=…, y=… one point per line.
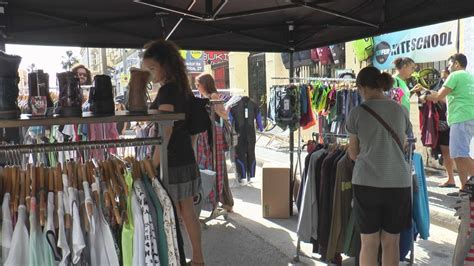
x=275, y=191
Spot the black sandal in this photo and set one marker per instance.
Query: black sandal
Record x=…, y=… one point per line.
x=445, y=185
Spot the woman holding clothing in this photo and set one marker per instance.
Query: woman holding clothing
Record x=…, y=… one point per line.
x=207, y=88
x=163, y=60
x=381, y=178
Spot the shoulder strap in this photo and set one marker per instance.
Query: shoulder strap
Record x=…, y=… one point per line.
x=384, y=124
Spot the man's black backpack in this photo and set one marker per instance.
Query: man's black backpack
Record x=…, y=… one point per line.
x=197, y=117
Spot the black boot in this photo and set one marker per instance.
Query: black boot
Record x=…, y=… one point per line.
x=101, y=96
x=38, y=85
x=9, y=86
x=70, y=95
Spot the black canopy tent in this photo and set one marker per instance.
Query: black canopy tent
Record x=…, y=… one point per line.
x=232, y=25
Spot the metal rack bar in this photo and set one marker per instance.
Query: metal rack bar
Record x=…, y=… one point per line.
x=69, y=146
x=316, y=79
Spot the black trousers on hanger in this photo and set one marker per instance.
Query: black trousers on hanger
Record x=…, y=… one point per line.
x=245, y=159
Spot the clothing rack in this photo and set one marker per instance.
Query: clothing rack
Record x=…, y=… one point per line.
x=70, y=146
x=160, y=117
x=410, y=141
x=292, y=140
x=296, y=258
x=315, y=79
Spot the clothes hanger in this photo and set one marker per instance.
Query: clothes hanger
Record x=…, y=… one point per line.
x=67, y=170
x=89, y=206
x=16, y=188
x=111, y=194
x=120, y=169
x=115, y=185
x=149, y=169
x=42, y=190
x=31, y=173
x=82, y=207
x=22, y=187
x=58, y=186
x=106, y=193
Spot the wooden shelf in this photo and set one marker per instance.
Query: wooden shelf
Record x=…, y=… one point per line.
x=89, y=118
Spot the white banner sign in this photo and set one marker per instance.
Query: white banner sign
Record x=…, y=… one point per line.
x=425, y=44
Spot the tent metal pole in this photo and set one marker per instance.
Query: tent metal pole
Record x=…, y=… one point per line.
x=337, y=14
x=292, y=142
x=180, y=20
x=255, y=12
x=172, y=9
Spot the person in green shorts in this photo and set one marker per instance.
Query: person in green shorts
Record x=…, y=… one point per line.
x=458, y=91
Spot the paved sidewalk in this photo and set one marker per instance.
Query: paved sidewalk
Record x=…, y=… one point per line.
x=246, y=238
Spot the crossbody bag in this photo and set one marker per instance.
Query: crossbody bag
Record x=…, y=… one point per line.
x=392, y=133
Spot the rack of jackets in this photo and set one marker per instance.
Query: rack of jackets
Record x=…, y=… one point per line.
x=324, y=201
x=333, y=103
x=322, y=101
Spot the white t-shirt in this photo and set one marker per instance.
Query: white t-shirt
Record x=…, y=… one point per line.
x=62, y=239
x=102, y=245
x=78, y=243
x=50, y=231
x=138, y=233
x=7, y=227
x=20, y=241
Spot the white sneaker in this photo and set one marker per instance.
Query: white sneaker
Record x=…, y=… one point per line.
x=243, y=182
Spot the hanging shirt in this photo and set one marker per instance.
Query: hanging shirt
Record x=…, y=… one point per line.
x=7, y=227
x=102, y=245
x=39, y=252
x=307, y=227
x=159, y=224
x=138, y=232
x=50, y=231
x=169, y=222
x=78, y=243
x=62, y=239
x=18, y=254
x=151, y=251
x=128, y=225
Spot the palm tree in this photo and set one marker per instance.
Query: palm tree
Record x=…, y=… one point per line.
x=69, y=60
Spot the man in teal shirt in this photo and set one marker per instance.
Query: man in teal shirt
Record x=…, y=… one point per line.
x=459, y=92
